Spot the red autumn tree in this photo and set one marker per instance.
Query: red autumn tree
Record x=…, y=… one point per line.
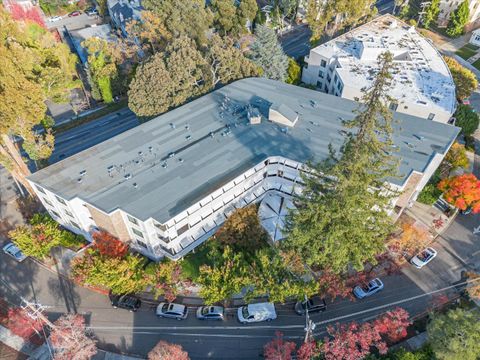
x=20, y=13
x=352, y=341
x=279, y=349
x=21, y=324
x=166, y=351
x=109, y=245
x=308, y=351
x=393, y=324
x=69, y=339
x=462, y=191
x=334, y=285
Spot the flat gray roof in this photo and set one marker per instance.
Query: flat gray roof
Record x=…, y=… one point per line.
x=213, y=143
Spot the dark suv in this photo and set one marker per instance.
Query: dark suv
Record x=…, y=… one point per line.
x=314, y=305
x=128, y=302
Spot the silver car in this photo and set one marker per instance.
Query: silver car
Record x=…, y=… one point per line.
x=371, y=288
x=210, y=313
x=12, y=250
x=172, y=311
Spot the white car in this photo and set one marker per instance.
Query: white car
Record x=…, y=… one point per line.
x=423, y=258
x=12, y=250
x=256, y=313
x=371, y=288
x=54, y=18
x=172, y=311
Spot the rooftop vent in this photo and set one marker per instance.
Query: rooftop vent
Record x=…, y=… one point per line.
x=171, y=155
x=79, y=180
x=110, y=168
x=393, y=24
x=254, y=115
x=83, y=172
x=128, y=176
x=135, y=185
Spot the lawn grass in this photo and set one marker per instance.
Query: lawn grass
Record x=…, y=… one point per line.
x=192, y=262
x=467, y=51
x=476, y=64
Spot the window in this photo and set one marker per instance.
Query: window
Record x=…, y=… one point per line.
x=335, y=79
x=319, y=84
x=393, y=106
x=280, y=173
x=321, y=74
x=163, y=238
x=75, y=224
x=137, y=232
x=161, y=227
x=326, y=88
x=47, y=202
x=431, y=116
x=142, y=244
x=40, y=189
x=54, y=213
x=132, y=220
x=340, y=87
x=181, y=230
x=60, y=200
x=329, y=78
x=68, y=213
x=323, y=63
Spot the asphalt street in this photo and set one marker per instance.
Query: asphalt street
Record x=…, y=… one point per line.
x=74, y=22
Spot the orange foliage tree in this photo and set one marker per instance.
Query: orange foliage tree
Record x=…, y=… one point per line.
x=462, y=191
x=410, y=239
x=473, y=287
x=109, y=246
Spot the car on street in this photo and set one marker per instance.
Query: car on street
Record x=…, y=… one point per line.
x=172, y=311
x=74, y=13
x=54, y=18
x=210, y=313
x=313, y=305
x=369, y=289
x=256, y=312
x=12, y=250
x=423, y=258
x=91, y=11
x=129, y=302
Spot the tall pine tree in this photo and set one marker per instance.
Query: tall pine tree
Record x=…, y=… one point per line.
x=267, y=53
x=341, y=219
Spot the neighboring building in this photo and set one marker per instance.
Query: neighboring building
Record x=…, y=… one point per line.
x=167, y=185
x=422, y=84
x=123, y=11
x=448, y=6
x=99, y=31
x=475, y=38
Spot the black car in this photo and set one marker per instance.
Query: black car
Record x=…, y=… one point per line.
x=314, y=305
x=128, y=302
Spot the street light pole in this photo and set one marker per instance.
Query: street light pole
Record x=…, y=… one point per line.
x=309, y=324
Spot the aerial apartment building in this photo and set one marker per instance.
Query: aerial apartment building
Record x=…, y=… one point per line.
x=165, y=186
x=422, y=84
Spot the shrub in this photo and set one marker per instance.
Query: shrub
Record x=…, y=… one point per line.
x=467, y=119
x=429, y=194
x=109, y=246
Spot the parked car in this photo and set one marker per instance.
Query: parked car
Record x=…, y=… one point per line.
x=256, y=312
x=91, y=11
x=54, y=18
x=313, y=305
x=423, y=258
x=12, y=250
x=371, y=288
x=210, y=313
x=129, y=302
x=74, y=13
x=172, y=310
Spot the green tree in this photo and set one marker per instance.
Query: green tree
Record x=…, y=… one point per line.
x=270, y=275
x=267, y=53
x=182, y=71
x=294, y=72
x=467, y=119
x=40, y=236
x=456, y=158
x=246, y=12
x=458, y=19
x=120, y=275
x=33, y=67
x=150, y=32
x=335, y=15
x=455, y=335
x=227, y=277
x=431, y=13
x=342, y=216
x=464, y=79
x=224, y=15
x=192, y=18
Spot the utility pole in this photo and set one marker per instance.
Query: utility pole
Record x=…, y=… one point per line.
x=309, y=324
x=35, y=312
x=423, y=5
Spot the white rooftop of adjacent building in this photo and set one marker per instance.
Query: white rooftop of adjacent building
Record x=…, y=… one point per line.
x=422, y=76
